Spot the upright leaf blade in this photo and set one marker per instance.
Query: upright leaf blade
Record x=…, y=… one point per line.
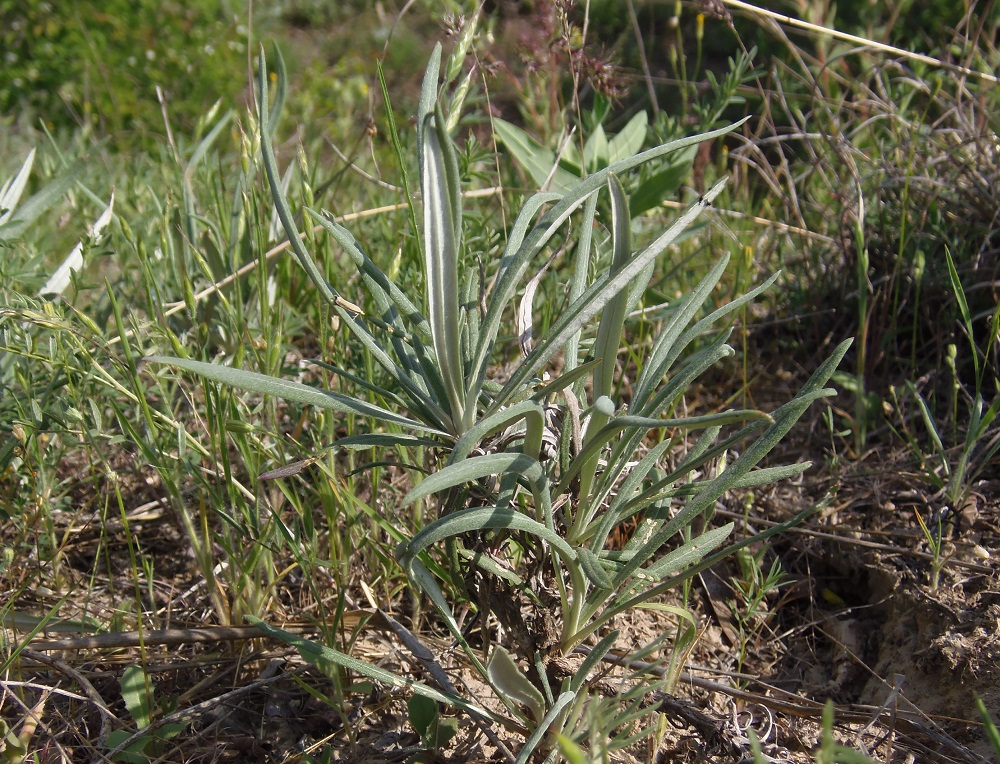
x=519, y=253
x=137, y=695
x=428, y=96
x=12, y=226
x=441, y=265
x=609, y=330
x=59, y=280
x=10, y=192
x=597, y=296
x=281, y=202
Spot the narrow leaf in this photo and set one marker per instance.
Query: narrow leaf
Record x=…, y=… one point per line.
x=10, y=193
x=563, y=381
x=280, y=92
x=770, y=475
x=626, y=602
x=689, y=554
x=467, y=470
x=397, y=146
x=495, y=423
x=661, y=356
x=963, y=305
x=609, y=331
x=59, y=280
x=578, y=282
x=281, y=202
x=317, y=654
x=594, y=657
x=518, y=254
x=421, y=576
x=15, y=225
x=524, y=756
x=480, y=519
x=595, y=298
x=206, y=143
x=441, y=266
x=593, y=569
x=428, y=96
x=385, y=440
x=291, y=391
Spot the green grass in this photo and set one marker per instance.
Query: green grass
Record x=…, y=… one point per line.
x=132, y=498
x=98, y=67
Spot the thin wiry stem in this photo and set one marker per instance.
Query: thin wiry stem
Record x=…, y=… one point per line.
x=845, y=37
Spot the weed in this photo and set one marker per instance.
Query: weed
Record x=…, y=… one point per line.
x=504, y=506
x=749, y=607
x=117, y=476
x=137, y=692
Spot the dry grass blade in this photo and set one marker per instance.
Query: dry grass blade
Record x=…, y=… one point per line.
x=167, y=637
x=107, y=717
x=816, y=29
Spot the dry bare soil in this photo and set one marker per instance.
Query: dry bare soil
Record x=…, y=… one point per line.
x=856, y=621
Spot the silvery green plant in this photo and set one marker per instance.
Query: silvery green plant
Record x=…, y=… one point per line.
x=535, y=473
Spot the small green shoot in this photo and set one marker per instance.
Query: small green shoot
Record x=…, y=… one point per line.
x=137, y=692
x=435, y=730
x=989, y=727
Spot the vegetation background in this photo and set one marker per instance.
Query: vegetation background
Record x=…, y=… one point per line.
x=137, y=535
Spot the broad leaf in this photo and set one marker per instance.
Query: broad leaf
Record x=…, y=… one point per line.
x=534, y=157
x=505, y=675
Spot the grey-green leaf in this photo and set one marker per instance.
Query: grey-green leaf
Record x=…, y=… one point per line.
x=479, y=519
x=467, y=470
x=318, y=654
x=509, y=680
x=291, y=391
x=441, y=265
x=609, y=330
x=14, y=225
x=10, y=192
x=593, y=569
x=595, y=298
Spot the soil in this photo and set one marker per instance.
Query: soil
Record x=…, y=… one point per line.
x=856, y=621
